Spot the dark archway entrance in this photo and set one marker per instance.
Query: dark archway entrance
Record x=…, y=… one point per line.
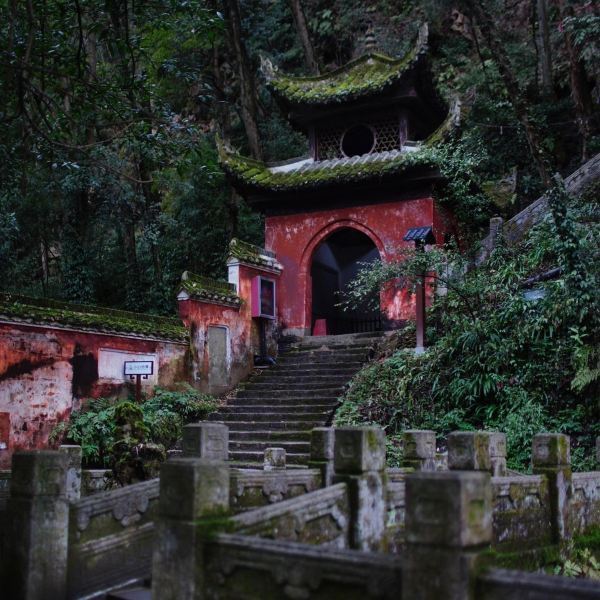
x=335, y=263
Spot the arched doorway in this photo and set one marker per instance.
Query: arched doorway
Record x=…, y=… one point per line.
x=335, y=263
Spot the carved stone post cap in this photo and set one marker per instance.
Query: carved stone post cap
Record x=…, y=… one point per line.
x=449, y=509
x=359, y=449
x=274, y=459
x=550, y=450
x=39, y=473
x=191, y=488
x=206, y=440
x=475, y=450
x=321, y=444
x=75, y=454
x=418, y=443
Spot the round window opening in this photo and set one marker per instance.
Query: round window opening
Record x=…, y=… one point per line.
x=358, y=140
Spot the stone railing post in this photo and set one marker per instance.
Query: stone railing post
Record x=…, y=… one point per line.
x=551, y=456
x=448, y=522
x=321, y=453
x=274, y=459
x=205, y=440
x=477, y=451
x=193, y=504
x=38, y=517
x=418, y=449
x=74, y=456
x=359, y=461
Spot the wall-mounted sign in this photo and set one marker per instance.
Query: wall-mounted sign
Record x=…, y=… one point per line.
x=139, y=367
x=263, y=297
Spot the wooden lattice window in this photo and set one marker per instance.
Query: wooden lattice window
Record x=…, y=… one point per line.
x=386, y=131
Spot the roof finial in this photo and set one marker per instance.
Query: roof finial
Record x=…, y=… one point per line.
x=370, y=39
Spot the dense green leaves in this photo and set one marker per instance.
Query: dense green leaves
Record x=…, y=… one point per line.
x=497, y=360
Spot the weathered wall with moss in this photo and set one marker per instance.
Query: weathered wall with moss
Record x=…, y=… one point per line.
x=45, y=373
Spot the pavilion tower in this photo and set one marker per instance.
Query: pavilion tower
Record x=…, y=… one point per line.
x=368, y=177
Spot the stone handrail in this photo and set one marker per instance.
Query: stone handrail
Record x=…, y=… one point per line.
x=110, y=538
x=253, y=488
x=273, y=569
x=515, y=228
x=321, y=517
x=503, y=584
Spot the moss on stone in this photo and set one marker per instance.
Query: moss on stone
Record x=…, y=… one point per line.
x=54, y=313
x=213, y=290
x=249, y=253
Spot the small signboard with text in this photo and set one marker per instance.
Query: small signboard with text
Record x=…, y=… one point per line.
x=139, y=367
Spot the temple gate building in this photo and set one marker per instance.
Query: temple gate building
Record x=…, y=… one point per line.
x=369, y=176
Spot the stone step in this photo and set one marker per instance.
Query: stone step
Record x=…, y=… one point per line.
x=286, y=387
x=343, y=338
x=316, y=359
x=290, y=446
x=277, y=379
x=274, y=400
x=275, y=425
x=280, y=409
x=299, y=394
x=301, y=370
x=270, y=417
x=258, y=457
x=271, y=437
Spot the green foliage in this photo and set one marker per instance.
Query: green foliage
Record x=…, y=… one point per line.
x=103, y=423
x=496, y=360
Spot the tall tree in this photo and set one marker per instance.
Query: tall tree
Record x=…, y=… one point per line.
x=247, y=79
x=580, y=91
x=303, y=34
x=493, y=39
x=545, y=51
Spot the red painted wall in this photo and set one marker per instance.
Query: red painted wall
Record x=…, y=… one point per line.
x=38, y=366
x=294, y=238
x=243, y=335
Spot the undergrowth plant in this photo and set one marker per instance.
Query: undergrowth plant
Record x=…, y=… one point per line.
x=497, y=360
x=96, y=426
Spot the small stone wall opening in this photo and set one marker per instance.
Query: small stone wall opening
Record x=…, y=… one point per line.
x=336, y=262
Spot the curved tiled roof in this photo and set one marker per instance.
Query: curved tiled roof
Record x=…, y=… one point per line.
x=363, y=77
x=310, y=174
x=53, y=313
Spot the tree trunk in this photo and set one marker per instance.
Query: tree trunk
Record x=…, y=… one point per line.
x=494, y=43
x=545, y=53
x=580, y=91
x=302, y=29
x=249, y=104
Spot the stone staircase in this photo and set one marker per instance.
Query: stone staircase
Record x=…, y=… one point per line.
x=280, y=405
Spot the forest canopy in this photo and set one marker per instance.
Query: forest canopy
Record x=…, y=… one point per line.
x=110, y=185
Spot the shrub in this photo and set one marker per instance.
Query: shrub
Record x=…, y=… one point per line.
x=158, y=420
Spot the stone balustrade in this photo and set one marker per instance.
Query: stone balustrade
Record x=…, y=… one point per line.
x=346, y=505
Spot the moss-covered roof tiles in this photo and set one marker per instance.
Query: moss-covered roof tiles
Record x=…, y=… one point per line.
x=256, y=176
x=365, y=76
x=253, y=255
x=210, y=290
x=54, y=313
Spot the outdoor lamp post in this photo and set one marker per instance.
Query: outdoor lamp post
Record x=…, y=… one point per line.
x=420, y=236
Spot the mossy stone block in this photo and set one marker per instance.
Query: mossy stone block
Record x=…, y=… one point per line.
x=39, y=473
x=418, y=443
x=191, y=488
x=206, y=440
x=449, y=509
x=359, y=449
x=551, y=450
x=74, y=456
x=321, y=444
x=473, y=450
x=274, y=459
